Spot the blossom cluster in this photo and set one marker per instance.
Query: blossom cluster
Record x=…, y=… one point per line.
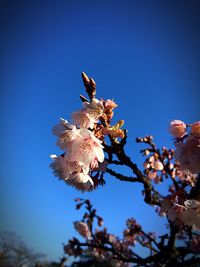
x=187, y=145
x=82, y=141
x=103, y=245
x=182, y=211
x=157, y=164
x=83, y=151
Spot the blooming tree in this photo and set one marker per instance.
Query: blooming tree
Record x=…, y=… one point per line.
x=91, y=146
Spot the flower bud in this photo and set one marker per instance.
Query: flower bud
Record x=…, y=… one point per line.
x=157, y=165
x=196, y=128
x=146, y=152
x=85, y=78
x=177, y=128
x=83, y=229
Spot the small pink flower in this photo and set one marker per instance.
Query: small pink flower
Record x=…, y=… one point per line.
x=65, y=132
x=90, y=114
x=60, y=128
x=187, y=213
x=196, y=128
x=83, y=119
x=86, y=148
x=188, y=154
x=109, y=104
x=73, y=173
x=82, y=229
x=177, y=128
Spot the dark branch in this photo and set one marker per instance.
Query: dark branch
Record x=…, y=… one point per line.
x=122, y=177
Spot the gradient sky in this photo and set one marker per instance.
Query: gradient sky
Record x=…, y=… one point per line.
x=144, y=54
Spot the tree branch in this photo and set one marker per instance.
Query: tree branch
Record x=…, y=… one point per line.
x=122, y=177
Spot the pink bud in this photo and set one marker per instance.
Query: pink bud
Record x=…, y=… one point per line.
x=177, y=128
x=157, y=165
x=83, y=229
x=196, y=128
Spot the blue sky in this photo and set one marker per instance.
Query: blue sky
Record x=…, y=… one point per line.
x=144, y=54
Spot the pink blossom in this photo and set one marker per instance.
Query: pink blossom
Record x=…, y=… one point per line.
x=83, y=119
x=177, y=128
x=60, y=128
x=109, y=104
x=188, y=154
x=65, y=132
x=83, y=229
x=196, y=128
x=73, y=173
x=81, y=144
x=83, y=151
x=86, y=117
x=187, y=213
x=85, y=148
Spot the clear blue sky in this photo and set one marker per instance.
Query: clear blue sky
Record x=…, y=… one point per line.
x=144, y=54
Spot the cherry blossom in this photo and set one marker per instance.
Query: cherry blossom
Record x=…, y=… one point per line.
x=72, y=173
x=196, y=128
x=86, y=117
x=83, y=229
x=186, y=213
x=177, y=128
x=83, y=151
x=188, y=154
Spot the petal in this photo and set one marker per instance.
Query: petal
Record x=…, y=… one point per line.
x=82, y=182
x=67, y=124
x=58, y=129
x=99, y=153
x=81, y=118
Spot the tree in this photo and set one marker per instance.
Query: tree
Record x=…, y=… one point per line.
x=15, y=253
x=92, y=146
